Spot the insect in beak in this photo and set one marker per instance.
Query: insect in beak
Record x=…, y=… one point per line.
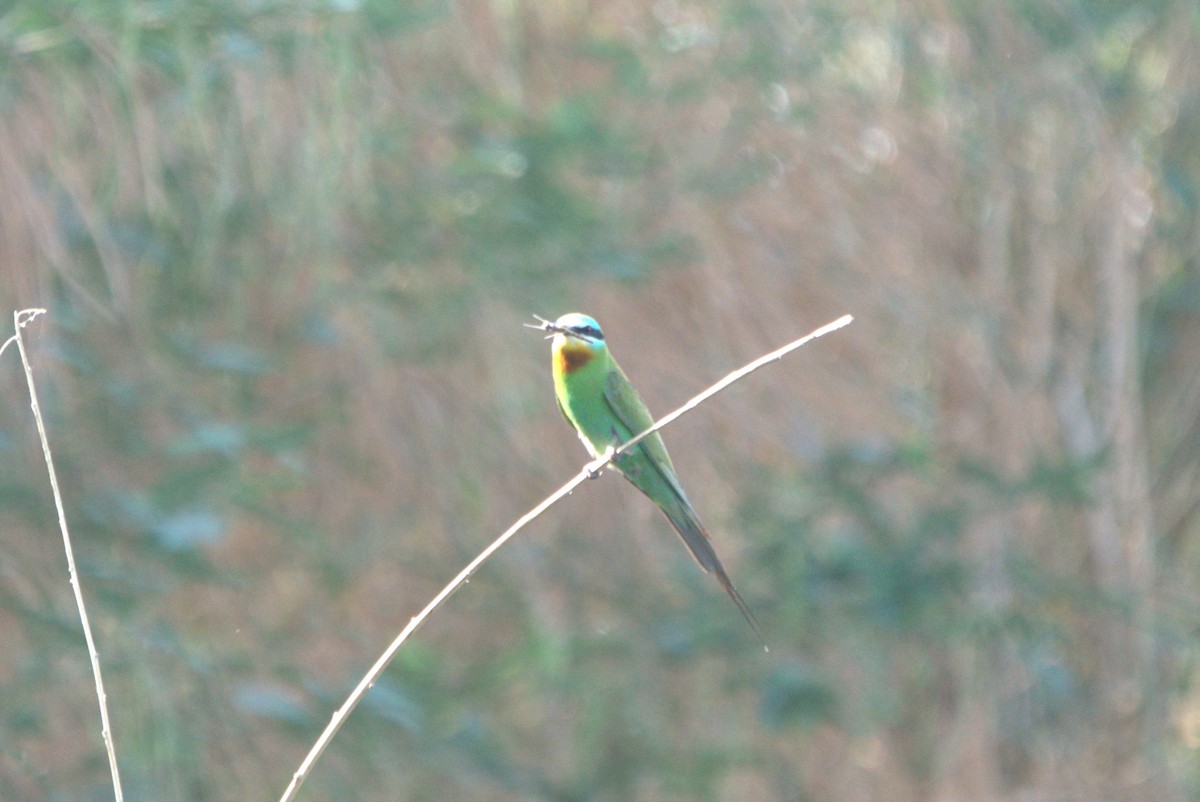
x=546, y=325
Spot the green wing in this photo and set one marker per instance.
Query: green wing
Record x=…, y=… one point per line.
x=631, y=411
x=633, y=414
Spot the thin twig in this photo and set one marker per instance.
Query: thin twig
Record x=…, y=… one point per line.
x=587, y=471
x=20, y=320
x=23, y=319
x=778, y=353
x=384, y=659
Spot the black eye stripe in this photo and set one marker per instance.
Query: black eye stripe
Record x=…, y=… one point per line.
x=591, y=332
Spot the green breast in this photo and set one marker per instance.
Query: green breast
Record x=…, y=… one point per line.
x=580, y=394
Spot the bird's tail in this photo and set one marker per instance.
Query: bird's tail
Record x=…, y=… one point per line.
x=695, y=537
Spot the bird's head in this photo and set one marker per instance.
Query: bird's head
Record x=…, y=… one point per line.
x=578, y=327
x=577, y=338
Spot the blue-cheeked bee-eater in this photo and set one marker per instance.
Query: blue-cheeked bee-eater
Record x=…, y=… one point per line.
x=596, y=398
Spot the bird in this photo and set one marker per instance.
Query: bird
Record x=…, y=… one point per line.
x=598, y=400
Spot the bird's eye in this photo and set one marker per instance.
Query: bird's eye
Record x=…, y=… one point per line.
x=591, y=332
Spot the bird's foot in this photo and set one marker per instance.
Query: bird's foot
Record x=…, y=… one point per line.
x=600, y=462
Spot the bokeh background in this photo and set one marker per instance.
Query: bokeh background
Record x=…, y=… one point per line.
x=287, y=249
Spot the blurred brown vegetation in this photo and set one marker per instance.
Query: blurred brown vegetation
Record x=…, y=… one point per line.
x=287, y=250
